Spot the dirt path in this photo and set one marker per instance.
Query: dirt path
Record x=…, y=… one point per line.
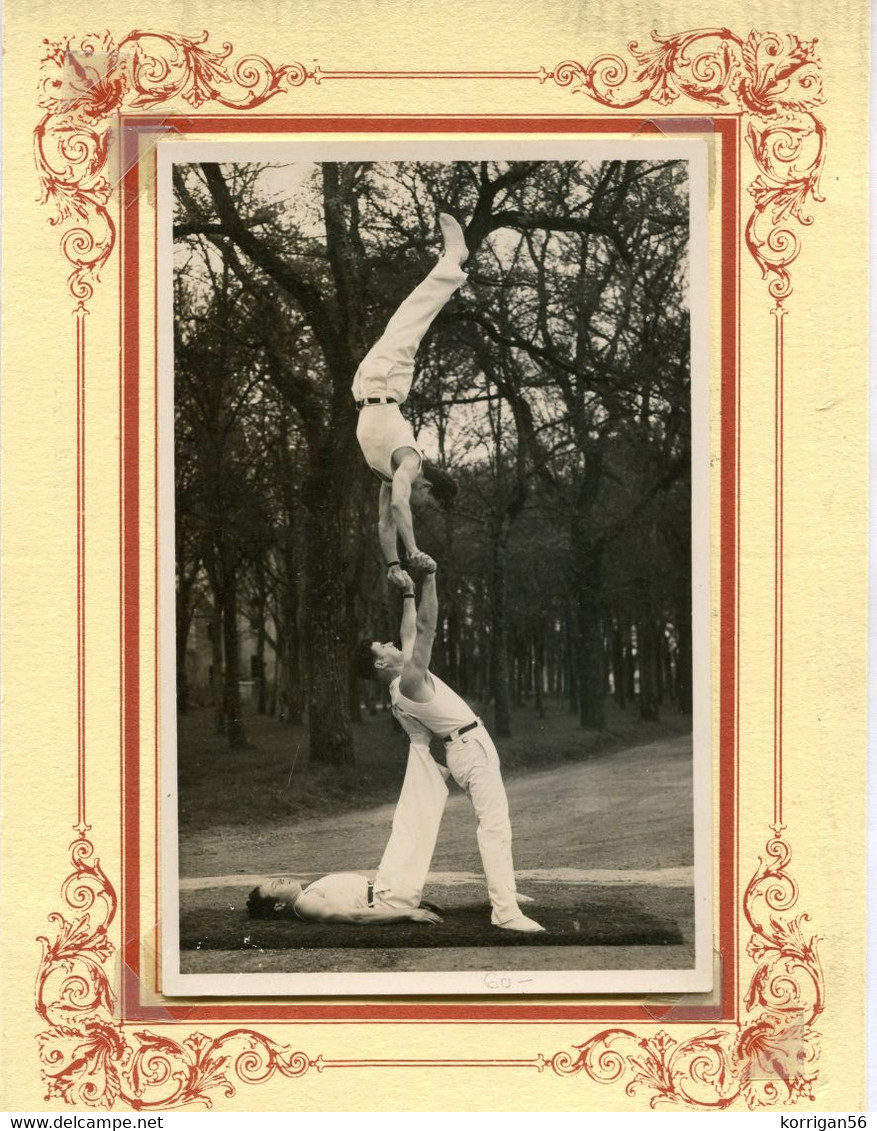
x=628, y=811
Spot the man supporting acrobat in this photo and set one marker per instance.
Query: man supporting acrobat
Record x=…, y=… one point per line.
x=426, y=706
x=381, y=384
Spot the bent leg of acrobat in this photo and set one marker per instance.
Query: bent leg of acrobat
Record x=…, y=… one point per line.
x=405, y=864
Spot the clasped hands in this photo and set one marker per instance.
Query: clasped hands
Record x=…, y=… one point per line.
x=401, y=578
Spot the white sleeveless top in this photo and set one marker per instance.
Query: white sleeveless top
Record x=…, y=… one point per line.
x=445, y=712
x=340, y=891
x=382, y=430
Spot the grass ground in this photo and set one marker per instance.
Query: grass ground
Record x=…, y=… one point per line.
x=588, y=928
x=272, y=779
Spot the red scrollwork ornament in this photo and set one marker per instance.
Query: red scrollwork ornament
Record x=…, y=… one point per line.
x=86, y=80
x=774, y=80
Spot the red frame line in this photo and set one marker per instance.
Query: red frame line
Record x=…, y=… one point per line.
x=472, y=1010
x=779, y=313
x=318, y=74
x=130, y=554
x=729, y=616
x=82, y=825
x=737, y=481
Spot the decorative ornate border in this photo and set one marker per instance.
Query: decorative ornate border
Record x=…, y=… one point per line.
x=770, y=1058
x=773, y=82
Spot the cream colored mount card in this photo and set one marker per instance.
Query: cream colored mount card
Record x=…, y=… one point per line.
x=778, y=98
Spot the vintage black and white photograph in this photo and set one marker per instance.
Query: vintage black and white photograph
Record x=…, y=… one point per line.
x=435, y=559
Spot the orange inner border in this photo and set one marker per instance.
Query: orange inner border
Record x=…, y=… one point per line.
x=414, y=1010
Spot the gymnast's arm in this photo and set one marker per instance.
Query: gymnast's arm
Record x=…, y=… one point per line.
x=408, y=627
x=413, y=684
x=407, y=470
x=388, y=539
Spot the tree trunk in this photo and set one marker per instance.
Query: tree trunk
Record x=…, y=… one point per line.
x=618, y=674
x=183, y=621
x=453, y=630
x=467, y=645
x=520, y=673
x=539, y=648
x=629, y=662
x=216, y=665
x=499, y=666
x=668, y=679
x=354, y=703
x=275, y=686
x=326, y=631
x=231, y=697
x=683, y=653
x=587, y=574
x=292, y=694
x=590, y=667
x=451, y=590
x=484, y=690
x=572, y=664
x=648, y=659
x=359, y=535
x=606, y=641
x=550, y=669
x=262, y=691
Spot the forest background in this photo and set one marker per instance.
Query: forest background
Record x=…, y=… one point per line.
x=555, y=387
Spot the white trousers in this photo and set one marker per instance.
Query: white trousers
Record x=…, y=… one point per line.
x=474, y=764
x=408, y=855
x=388, y=367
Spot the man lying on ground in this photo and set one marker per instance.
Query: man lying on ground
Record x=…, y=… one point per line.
x=340, y=897
x=381, y=384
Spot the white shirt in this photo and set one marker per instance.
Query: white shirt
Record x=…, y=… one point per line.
x=445, y=712
x=382, y=430
x=339, y=891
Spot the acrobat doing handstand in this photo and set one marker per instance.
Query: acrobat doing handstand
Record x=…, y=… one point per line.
x=381, y=384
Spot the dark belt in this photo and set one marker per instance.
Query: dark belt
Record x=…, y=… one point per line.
x=371, y=894
x=461, y=730
x=376, y=400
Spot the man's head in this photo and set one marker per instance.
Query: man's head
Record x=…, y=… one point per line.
x=433, y=487
x=273, y=899
x=377, y=661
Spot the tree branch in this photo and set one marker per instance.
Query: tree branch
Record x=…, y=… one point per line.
x=322, y=319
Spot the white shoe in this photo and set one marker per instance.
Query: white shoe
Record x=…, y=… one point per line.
x=524, y=898
x=521, y=923
x=454, y=240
